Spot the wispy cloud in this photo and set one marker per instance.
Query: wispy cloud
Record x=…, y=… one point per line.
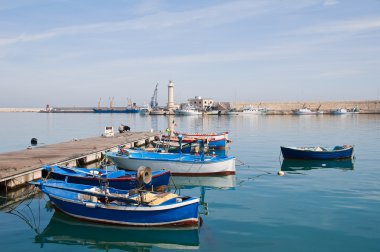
x=330, y=2
x=340, y=73
x=346, y=26
x=205, y=17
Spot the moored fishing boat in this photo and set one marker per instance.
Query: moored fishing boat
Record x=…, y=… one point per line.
x=306, y=111
x=145, y=110
x=253, y=111
x=188, y=109
x=119, y=179
x=343, y=111
x=176, y=163
x=213, y=140
x=121, y=207
x=336, y=152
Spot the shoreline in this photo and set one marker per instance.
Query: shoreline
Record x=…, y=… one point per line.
x=274, y=108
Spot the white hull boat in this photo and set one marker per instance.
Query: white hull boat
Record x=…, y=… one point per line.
x=176, y=163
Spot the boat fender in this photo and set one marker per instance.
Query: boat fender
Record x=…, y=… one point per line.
x=280, y=173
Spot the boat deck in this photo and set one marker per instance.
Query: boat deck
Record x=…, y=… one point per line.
x=19, y=167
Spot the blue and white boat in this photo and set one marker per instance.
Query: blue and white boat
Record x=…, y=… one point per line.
x=336, y=152
x=119, y=179
x=176, y=163
x=121, y=207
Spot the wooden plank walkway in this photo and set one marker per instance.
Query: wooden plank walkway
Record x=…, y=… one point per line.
x=15, y=164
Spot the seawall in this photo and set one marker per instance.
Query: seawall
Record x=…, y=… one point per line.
x=20, y=109
x=369, y=107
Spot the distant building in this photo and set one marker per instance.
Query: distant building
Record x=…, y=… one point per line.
x=201, y=103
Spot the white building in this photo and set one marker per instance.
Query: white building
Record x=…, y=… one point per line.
x=201, y=103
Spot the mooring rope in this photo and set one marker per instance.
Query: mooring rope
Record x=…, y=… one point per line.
x=251, y=178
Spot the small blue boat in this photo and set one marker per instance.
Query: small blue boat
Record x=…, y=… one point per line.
x=336, y=152
x=119, y=179
x=121, y=207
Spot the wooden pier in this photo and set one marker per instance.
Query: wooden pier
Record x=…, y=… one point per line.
x=20, y=167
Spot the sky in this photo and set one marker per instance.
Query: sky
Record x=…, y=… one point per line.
x=74, y=53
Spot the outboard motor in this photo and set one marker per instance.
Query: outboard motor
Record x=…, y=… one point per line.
x=180, y=137
x=33, y=141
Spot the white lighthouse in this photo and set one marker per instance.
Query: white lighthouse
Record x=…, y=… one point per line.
x=171, y=96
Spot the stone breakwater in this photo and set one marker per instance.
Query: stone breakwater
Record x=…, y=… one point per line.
x=20, y=109
x=279, y=108
x=365, y=107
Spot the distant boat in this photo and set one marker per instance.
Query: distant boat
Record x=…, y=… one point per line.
x=145, y=110
x=253, y=111
x=336, y=152
x=213, y=112
x=306, y=111
x=231, y=112
x=176, y=163
x=121, y=207
x=158, y=112
x=63, y=229
x=297, y=165
x=119, y=179
x=188, y=109
x=343, y=111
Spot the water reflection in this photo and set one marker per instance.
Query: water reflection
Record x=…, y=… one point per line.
x=216, y=182
x=63, y=229
x=296, y=165
x=203, y=183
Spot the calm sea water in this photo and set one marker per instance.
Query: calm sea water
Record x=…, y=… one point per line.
x=328, y=206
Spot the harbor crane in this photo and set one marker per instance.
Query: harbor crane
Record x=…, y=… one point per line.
x=153, y=100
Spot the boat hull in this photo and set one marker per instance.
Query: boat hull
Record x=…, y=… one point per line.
x=187, y=112
x=293, y=153
x=183, y=213
x=159, y=178
x=177, y=166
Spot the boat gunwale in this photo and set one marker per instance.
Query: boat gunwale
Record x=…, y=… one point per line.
x=185, y=222
x=122, y=178
x=314, y=151
x=130, y=207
